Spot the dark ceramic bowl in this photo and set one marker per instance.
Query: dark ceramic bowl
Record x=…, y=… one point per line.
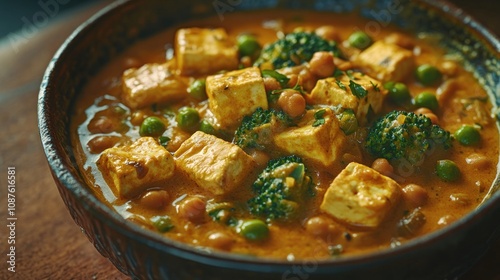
x=142, y=254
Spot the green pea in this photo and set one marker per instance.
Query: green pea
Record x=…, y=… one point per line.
x=254, y=230
x=428, y=75
x=248, y=45
x=359, y=40
x=398, y=92
x=187, y=117
x=152, y=126
x=468, y=135
x=162, y=223
x=427, y=100
x=197, y=89
x=447, y=170
x=207, y=127
x=348, y=122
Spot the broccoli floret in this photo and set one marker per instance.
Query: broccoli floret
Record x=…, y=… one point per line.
x=295, y=49
x=255, y=131
x=401, y=134
x=280, y=189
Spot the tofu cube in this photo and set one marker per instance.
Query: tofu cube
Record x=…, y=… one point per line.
x=130, y=170
x=360, y=196
x=201, y=51
x=387, y=62
x=235, y=94
x=338, y=92
x=214, y=164
x=324, y=143
x=150, y=84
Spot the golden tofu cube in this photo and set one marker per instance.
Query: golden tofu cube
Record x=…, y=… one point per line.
x=130, y=170
x=235, y=94
x=204, y=51
x=338, y=92
x=323, y=143
x=387, y=62
x=360, y=196
x=150, y=84
x=214, y=164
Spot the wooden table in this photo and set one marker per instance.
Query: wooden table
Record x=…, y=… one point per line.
x=48, y=243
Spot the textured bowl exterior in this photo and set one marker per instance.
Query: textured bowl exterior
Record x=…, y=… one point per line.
x=145, y=255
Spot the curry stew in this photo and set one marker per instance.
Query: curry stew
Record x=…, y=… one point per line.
x=286, y=135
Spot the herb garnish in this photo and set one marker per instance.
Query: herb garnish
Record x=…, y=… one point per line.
x=358, y=90
x=340, y=84
x=319, y=118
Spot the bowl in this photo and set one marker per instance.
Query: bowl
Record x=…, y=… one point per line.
x=141, y=254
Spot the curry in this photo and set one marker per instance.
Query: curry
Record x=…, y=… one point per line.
x=287, y=136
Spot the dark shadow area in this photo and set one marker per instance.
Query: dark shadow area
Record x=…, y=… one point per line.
x=33, y=14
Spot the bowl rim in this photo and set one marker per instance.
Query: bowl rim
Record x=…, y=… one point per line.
x=129, y=229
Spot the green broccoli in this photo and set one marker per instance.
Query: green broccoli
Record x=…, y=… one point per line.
x=280, y=189
x=295, y=49
x=255, y=131
x=401, y=134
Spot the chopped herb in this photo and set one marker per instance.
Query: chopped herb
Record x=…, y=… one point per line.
x=341, y=85
x=350, y=74
x=320, y=120
x=337, y=73
x=282, y=79
x=163, y=140
x=375, y=86
x=299, y=88
x=358, y=90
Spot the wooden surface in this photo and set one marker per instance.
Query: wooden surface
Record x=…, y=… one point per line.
x=49, y=245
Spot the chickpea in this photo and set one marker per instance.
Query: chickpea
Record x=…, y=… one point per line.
x=401, y=40
x=341, y=64
x=178, y=137
x=322, y=227
x=449, y=68
x=415, y=195
x=321, y=64
x=447, y=90
x=137, y=118
x=383, y=166
x=102, y=124
x=141, y=221
x=100, y=143
x=327, y=32
x=293, y=80
x=193, y=209
x=292, y=102
x=154, y=199
x=460, y=199
x=220, y=240
x=260, y=157
x=307, y=80
x=478, y=161
x=271, y=84
x=428, y=113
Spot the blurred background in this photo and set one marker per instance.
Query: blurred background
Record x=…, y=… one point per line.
x=16, y=14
